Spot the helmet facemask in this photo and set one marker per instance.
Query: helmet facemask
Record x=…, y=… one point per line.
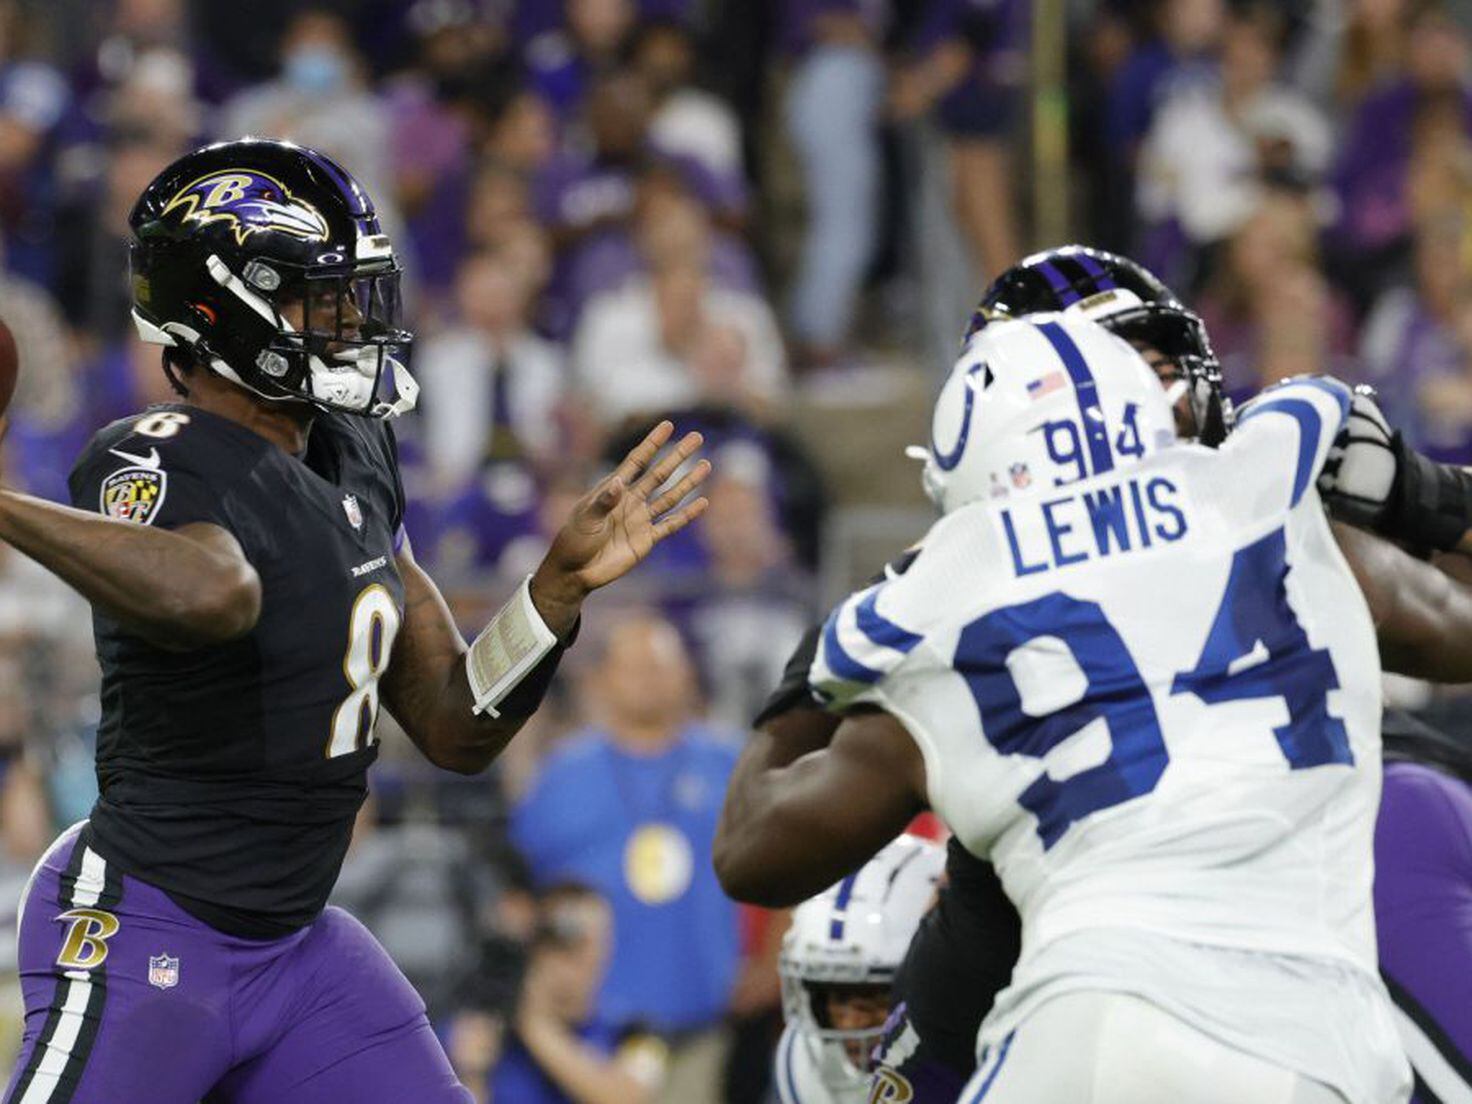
x=329, y=335
x=840, y=1055
x=1180, y=337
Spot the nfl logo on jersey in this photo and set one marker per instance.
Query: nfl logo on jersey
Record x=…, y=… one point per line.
x=354, y=512
x=163, y=971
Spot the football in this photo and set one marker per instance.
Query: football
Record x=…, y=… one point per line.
x=9, y=367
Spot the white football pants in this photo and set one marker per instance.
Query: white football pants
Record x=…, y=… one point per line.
x=1113, y=1048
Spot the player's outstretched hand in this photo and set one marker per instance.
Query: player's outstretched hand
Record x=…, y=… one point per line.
x=617, y=523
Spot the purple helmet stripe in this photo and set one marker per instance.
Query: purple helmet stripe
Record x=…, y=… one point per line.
x=348, y=185
x=1066, y=295
x=1096, y=270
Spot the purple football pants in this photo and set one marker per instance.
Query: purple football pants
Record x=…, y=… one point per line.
x=1423, y=915
x=130, y=1000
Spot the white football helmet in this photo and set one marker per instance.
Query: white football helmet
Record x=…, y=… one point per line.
x=1039, y=402
x=854, y=933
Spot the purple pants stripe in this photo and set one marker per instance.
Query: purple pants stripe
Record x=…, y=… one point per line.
x=50, y=1073
x=129, y=1000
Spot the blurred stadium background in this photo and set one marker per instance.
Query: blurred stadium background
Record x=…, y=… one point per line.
x=770, y=220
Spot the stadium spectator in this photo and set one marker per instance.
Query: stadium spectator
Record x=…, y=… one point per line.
x=134, y=29
x=795, y=483
x=44, y=414
x=489, y=527
x=671, y=225
x=1372, y=172
x=521, y=130
x=629, y=806
x=25, y=831
x=563, y=64
x=967, y=62
x=25, y=820
x=556, y=1052
x=1270, y=312
x=1214, y=141
x=1185, y=35
x=687, y=121
x=500, y=202
x=1411, y=346
x=1373, y=50
x=832, y=108
x=34, y=97
x=437, y=117
x=92, y=240
x=491, y=385
x=634, y=346
x=753, y=604
x=322, y=99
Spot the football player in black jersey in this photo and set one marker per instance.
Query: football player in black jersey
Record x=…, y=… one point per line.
x=255, y=601
x=963, y=954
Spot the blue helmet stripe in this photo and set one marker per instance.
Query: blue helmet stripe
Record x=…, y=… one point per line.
x=840, y=906
x=1087, y=393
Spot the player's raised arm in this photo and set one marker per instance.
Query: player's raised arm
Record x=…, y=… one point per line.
x=1423, y=613
x=177, y=589
x=462, y=705
x=1375, y=483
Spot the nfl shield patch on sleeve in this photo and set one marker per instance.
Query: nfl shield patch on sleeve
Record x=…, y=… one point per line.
x=163, y=971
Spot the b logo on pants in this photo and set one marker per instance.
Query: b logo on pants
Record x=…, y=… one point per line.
x=890, y=1087
x=85, y=947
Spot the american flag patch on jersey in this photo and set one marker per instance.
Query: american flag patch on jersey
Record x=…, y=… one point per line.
x=1046, y=385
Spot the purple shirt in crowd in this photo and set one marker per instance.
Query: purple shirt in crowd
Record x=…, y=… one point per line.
x=436, y=142
x=1370, y=175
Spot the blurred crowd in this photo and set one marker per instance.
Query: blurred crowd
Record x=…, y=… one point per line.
x=614, y=210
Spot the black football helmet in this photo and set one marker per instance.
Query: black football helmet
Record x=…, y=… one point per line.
x=1125, y=298
x=264, y=262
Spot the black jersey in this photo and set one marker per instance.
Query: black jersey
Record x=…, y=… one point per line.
x=230, y=775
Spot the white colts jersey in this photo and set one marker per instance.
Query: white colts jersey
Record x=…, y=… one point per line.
x=1152, y=699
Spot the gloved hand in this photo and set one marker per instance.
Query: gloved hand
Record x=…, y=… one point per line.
x=1358, y=481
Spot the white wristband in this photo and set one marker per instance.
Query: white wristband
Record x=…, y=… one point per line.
x=506, y=650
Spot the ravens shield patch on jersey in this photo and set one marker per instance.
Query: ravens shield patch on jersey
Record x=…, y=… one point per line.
x=133, y=494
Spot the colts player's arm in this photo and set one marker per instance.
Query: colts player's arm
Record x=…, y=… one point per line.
x=611, y=529
x=177, y=580
x=751, y=855
x=798, y=817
